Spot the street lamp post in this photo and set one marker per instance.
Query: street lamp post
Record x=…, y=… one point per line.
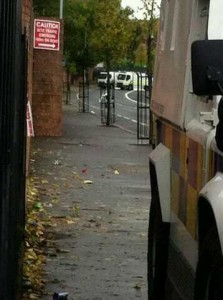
x=61, y=9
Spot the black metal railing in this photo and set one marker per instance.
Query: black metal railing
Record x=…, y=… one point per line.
x=143, y=107
x=107, y=105
x=12, y=147
x=84, y=96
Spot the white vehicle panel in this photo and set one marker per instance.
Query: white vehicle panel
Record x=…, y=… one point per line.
x=215, y=24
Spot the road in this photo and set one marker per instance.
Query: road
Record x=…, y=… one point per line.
x=125, y=107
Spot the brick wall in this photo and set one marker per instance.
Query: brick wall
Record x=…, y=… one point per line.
x=47, y=90
x=27, y=24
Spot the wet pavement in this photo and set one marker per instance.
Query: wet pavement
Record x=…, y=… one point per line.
x=94, y=185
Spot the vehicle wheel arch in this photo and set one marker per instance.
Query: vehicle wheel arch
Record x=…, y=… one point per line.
x=159, y=221
x=159, y=165
x=210, y=208
x=209, y=271
x=206, y=219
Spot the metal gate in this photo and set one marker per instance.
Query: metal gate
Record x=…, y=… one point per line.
x=84, y=96
x=107, y=105
x=143, y=107
x=12, y=146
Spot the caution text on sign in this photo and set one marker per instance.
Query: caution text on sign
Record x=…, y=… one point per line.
x=46, y=34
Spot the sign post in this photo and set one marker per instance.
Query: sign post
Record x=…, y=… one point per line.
x=46, y=34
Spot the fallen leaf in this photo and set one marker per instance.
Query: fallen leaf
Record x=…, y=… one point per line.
x=43, y=181
x=138, y=286
x=88, y=181
x=70, y=222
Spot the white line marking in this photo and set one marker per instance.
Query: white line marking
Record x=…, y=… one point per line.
x=128, y=98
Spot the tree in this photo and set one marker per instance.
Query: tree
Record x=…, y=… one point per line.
x=150, y=7
x=141, y=55
x=49, y=8
x=76, y=24
x=112, y=30
x=96, y=31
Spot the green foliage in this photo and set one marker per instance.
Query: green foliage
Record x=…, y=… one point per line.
x=49, y=8
x=112, y=30
x=150, y=7
x=98, y=31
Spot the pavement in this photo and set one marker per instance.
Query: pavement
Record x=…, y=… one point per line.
x=95, y=190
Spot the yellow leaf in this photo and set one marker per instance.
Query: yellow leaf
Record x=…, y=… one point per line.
x=70, y=222
x=43, y=181
x=88, y=181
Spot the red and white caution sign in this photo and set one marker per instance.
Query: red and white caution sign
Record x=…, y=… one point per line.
x=46, y=34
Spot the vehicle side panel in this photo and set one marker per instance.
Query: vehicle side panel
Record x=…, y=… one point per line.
x=186, y=173
x=171, y=64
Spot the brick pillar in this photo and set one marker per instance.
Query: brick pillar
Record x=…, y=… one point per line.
x=27, y=25
x=48, y=90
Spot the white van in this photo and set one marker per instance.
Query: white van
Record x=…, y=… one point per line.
x=126, y=80
x=102, y=79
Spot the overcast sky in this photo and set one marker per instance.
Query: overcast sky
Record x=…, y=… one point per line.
x=135, y=4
